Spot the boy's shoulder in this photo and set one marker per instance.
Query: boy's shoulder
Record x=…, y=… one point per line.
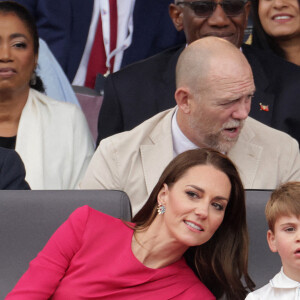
x=280, y=287
x=263, y=293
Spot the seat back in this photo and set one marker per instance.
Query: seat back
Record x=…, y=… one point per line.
x=263, y=264
x=29, y=218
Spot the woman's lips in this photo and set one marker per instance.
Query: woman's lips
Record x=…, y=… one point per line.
x=194, y=226
x=7, y=72
x=282, y=18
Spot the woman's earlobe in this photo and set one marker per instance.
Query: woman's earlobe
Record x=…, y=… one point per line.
x=36, y=61
x=161, y=197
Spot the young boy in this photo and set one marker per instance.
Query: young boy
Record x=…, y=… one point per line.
x=283, y=216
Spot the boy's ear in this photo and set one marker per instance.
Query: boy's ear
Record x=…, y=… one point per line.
x=271, y=241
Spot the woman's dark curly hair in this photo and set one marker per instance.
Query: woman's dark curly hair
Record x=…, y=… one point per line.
x=11, y=7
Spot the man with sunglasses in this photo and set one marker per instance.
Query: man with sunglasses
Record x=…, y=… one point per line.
x=143, y=89
x=226, y=19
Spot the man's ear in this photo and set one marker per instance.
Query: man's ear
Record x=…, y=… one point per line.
x=271, y=241
x=176, y=14
x=162, y=195
x=247, y=12
x=182, y=95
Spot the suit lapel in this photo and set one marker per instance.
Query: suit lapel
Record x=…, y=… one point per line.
x=158, y=153
x=262, y=106
x=246, y=156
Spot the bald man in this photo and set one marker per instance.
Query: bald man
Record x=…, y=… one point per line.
x=213, y=97
x=147, y=87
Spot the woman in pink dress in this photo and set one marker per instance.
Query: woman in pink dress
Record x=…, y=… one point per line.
x=189, y=241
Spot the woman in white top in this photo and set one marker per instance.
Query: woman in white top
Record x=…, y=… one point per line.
x=51, y=137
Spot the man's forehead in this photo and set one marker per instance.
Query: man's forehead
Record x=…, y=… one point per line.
x=228, y=88
x=229, y=76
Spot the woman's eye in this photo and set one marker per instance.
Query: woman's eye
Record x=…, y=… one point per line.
x=218, y=206
x=20, y=45
x=192, y=194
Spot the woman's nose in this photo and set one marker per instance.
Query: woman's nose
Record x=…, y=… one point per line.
x=5, y=53
x=202, y=211
x=279, y=3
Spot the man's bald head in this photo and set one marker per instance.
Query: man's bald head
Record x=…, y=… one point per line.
x=214, y=90
x=207, y=57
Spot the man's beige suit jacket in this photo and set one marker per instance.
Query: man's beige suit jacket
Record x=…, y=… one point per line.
x=132, y=161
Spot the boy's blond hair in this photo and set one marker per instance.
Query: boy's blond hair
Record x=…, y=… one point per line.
x=284, y=201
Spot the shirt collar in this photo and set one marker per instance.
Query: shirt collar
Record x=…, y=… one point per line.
x=180, y=142
x=281, y=281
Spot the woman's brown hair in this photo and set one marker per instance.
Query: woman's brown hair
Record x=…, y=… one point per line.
x=220, y=263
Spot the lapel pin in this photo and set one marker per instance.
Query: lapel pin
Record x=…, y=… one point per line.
x=264, y=107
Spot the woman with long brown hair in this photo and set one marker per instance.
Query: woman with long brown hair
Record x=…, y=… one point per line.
x=194, y=220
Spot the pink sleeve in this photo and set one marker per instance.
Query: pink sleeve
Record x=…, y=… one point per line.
x=46, y=270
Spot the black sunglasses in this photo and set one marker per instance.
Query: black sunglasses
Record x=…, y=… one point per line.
x=204, y=9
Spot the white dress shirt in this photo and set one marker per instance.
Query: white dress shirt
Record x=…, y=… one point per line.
x=180, y=142
x=280, y=287
x=124, y=35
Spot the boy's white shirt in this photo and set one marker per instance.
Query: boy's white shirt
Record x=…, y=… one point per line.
x=280, y=287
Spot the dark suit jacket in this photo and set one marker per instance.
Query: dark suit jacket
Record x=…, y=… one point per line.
x=12, y=171
x=64, y=25
x=145, y=88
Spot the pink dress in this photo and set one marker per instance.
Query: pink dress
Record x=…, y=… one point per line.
x=90, y=257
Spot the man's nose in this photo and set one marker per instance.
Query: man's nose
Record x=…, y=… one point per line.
x=242, y=110
x=218, y=17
